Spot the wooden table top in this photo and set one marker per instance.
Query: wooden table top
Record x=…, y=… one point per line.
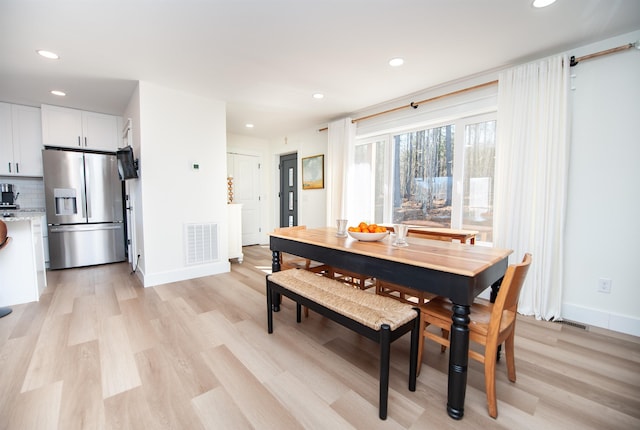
x=457, y=258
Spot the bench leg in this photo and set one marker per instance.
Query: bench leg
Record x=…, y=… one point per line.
x=298, y=312
x=269, y=309
x=385, y=352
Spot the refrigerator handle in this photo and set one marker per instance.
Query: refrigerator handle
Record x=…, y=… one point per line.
x=88, y=204
x=87, y=179
x=84, y=199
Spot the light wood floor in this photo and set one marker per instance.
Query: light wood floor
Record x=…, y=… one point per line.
x=100, y=352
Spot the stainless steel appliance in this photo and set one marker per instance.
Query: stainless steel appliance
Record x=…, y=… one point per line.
x=8, y=197
x=83, y=197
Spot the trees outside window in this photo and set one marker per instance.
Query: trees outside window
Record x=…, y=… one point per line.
x=439, y=176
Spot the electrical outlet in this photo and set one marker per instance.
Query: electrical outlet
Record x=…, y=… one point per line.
x=604, y=285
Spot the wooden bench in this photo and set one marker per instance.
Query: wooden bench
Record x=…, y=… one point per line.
x=380, y=319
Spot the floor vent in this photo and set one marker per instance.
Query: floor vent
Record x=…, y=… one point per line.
x=572, y=324
x=202, y=243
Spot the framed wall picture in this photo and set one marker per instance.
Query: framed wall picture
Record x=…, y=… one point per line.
x=313, y=172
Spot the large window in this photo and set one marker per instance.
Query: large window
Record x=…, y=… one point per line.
x=423, y=176
x=479, y=163
x=439, y=176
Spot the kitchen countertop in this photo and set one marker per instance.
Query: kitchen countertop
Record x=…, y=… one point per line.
x=13, y=215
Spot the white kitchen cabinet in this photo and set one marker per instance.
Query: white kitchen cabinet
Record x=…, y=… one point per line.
x=20, y=140
x=73, y=128
x=22, y=264
x=235, y=231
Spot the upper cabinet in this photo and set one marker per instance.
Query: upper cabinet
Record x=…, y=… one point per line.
x=20, y=140
x=73, y=128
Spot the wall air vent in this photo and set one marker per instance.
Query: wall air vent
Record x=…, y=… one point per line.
x=573, y=324
x=201, y=243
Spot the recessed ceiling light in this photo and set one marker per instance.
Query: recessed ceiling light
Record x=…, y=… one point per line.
x=395, y=62
x=249, y=125
x=318, y=96
x=48, y=54
x=542, y=3
x=58, y=93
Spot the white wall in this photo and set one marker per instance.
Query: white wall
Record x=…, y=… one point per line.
x=175, y=130
x=604, y=184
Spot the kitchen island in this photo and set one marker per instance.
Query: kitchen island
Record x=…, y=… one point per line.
x=22, y=261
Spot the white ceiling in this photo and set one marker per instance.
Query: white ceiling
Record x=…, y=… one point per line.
x=266, y=58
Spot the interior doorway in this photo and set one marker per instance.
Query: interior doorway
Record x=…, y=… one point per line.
x=245, y=170
x=289, y=190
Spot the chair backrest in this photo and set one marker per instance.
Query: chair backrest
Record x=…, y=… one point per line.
x=509, y=292
x=295, y=227
x=413, y=233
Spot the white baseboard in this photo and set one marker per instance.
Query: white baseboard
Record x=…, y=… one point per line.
x=597, y=318
x=159, y=278
x=594, y=317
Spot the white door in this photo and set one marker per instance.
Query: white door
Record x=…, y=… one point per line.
x=246, y=190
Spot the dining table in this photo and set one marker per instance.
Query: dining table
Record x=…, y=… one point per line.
x=457, y=271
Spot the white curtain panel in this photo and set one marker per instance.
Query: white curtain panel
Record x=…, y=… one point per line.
x=532, y=159
x=341, y=137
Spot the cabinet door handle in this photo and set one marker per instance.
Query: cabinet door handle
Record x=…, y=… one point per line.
x=9, y=167
x=79, y=143
x=17, y=167
x=85, y=141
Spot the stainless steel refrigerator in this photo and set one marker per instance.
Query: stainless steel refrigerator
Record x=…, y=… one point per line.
x=83, y=195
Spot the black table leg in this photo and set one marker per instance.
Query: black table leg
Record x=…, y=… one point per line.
x=275, y=267
x=458, y=361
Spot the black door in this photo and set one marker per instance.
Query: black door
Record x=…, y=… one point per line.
x=288, y=190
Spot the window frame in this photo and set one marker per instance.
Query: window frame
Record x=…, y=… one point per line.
x=460, y=124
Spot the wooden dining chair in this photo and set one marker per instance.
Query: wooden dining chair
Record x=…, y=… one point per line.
x=405, y=294
x=491, y=324
x=357, y=280
x=402, y=293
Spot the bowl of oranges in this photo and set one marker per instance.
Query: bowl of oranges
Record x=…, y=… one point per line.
x=368, y=232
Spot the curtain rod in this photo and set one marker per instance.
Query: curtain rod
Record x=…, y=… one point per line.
x=414, y=105
x=575, y=61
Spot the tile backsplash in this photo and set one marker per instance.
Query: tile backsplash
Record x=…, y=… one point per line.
x=31, y=191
